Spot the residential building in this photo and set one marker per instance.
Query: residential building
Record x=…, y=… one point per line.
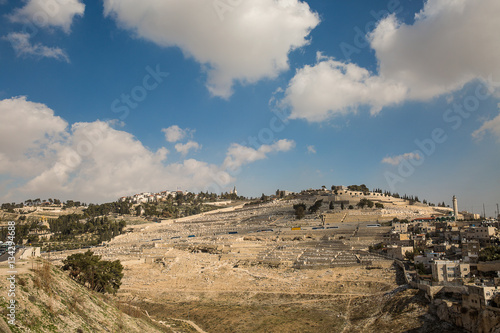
x=449, y=271
x=478, y=233
x=428, y=258
x=479, y=296
x=400, y=227
x=393, y=237
x=470, y=251
x=424, y=227
x=470, y=216
x=398, y=252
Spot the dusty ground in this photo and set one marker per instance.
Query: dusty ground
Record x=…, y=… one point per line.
x=220, y=298
x=247, y=271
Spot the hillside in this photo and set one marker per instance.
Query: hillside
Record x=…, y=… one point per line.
x=49, y=301
x=256, y=268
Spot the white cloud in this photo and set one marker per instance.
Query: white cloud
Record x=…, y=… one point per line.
x=42, y=13
x=93, y=162
x=30, y=136
x=449, y=44
x=396, y=160
x=492, y=126
x=174, y=133
x=242, y=41
x=184, y=148
x=23, y=47
x=311, y=149
x=239, y=155
x=332, y=87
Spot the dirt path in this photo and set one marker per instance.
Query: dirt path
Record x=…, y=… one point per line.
x=21, y=268
x=347, y=315
x=196, y=327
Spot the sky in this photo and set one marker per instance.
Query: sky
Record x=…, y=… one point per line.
x=103, y=99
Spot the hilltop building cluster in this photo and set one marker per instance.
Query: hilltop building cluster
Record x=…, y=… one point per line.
x=151, y=197
x=147, y=197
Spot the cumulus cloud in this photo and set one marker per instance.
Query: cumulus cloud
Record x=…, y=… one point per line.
x=30, y=136
x=93, y=162
x=42, y=13
x=449, y=44
x=396, y=160
x=311, y=149
x=238, y=155
x=242, y=41
x=184, y=148
x=23, y=47
x=332, y=87
x=492, y=126
x=174, y=133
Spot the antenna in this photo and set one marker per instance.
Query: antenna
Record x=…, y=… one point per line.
x=484, y=212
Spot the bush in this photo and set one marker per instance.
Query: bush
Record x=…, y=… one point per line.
x=365, y=202
x=314, y=208
x=300, y=210
x=490, y=253
x=43, y=277
x=410, y=255
x=89, y=270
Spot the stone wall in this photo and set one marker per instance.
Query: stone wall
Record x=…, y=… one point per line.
x=485, y=320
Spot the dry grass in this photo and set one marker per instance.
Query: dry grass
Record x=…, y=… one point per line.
x=43, y=278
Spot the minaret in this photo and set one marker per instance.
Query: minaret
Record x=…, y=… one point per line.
x=234, y=190
x=455, y=207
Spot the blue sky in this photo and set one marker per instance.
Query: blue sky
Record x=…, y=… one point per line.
x=258, y=94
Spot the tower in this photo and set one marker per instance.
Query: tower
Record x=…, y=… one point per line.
x=455, y=207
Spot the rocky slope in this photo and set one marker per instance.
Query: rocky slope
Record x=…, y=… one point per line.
x=47, y=300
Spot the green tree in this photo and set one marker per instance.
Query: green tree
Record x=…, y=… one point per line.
x=410, y=255
x=420, y=268
x=300, y=210
x=96, y=274
x=365, y=202
x=490, y=253
x=314, y=208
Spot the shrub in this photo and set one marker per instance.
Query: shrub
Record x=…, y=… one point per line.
x=300, y=210
x=89, y=270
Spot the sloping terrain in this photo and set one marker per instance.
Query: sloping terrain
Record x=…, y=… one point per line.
x=47, y=300
x=259, y=269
